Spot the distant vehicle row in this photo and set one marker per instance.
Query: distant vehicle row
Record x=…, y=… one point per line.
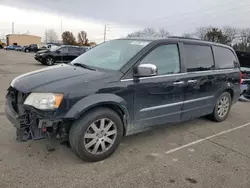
x=29, y=48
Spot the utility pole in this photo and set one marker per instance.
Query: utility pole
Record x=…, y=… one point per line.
x=105, y=31
x=46, y=36
x=61, y=27
x=13, y=29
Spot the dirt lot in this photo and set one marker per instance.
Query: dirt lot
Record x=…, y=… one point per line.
x=199, y=153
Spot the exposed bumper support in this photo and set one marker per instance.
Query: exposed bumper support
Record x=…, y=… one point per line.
x=28, y=125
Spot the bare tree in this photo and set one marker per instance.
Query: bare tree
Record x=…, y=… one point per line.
x=245, y=35
x=150, y=32
x=187, y=35
x=82, y=38
x=230, y=33
x=201, y=32
x=162, y=33
x=51, y=36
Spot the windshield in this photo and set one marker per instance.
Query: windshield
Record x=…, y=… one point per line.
x=112, y=54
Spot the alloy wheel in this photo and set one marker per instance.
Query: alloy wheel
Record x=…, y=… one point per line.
x=49, y=61
x=100, y=136
x=223, y=107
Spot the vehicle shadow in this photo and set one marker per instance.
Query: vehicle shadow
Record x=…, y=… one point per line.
x=130, y=144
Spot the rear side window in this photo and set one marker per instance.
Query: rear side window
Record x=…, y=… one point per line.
x=73, y=50
x=198, y=58
x=224, y=58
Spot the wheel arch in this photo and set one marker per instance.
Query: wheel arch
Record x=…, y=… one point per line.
x=230, y=91
x=111, y=101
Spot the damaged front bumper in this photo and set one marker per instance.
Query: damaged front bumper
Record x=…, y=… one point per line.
x=31, y=125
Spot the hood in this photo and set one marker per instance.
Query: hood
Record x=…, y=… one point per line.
x=56, y=77
x=43, y=51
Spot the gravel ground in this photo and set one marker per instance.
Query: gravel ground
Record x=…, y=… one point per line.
x=198, y=153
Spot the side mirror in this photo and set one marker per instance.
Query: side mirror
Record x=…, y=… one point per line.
x=145, y=70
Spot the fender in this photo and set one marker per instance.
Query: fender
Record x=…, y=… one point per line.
x=94, y=100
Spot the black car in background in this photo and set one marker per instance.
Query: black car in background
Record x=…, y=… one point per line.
x=59, y=54
x=31, y=48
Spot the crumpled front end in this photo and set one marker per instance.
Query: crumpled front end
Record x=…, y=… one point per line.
x=29, y=122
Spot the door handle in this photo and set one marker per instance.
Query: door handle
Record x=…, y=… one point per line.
x=178, y=83
x=192, y=81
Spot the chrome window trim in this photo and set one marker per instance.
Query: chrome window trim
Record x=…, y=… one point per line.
x=178, y=74
x=160, y=76
x=175, y=104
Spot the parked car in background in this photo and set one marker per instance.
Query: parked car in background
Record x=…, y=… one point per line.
x=18, y=48
x=244, y=59
x=10, y=47
x=122, y=87
x=60, y=54
x=31, y=48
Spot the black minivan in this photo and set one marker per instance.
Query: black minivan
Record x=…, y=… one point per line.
x=122, y=87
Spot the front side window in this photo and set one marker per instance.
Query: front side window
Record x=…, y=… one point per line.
x=198, y=58
x=224, y=58
x=165, y=58
x=112, y=55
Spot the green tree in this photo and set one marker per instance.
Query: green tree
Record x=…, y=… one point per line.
x=68, y=38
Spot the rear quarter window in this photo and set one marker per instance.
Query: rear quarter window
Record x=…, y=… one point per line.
x=224, y=58
x=198, y=58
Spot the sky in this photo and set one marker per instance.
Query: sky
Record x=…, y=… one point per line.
x=121, y=16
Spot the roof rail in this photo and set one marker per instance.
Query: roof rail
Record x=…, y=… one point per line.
x=184, y=37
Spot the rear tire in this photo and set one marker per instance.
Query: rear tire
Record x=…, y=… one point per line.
x=96, y=135
x=222, y=107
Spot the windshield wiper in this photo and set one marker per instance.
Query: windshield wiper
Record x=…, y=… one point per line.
x=83, y=66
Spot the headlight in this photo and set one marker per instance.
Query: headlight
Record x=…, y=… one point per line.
x=44, y=101
x=41, y=54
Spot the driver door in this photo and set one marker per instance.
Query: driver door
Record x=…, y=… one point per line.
x=159, y=99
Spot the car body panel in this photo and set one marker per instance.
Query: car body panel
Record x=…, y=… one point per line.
x=146, y=101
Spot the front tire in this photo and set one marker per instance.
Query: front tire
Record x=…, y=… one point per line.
x=222, y=107
x=50, y=61
x=96, y=135
x=27, y=51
